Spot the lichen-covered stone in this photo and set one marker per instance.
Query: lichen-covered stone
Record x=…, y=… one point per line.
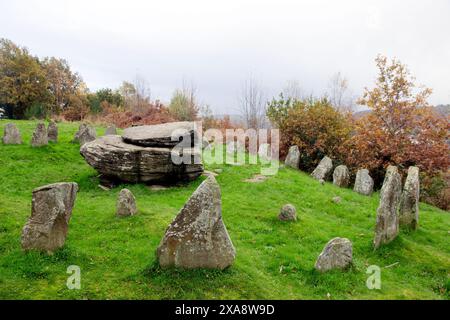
x=387, y=223
x=85, y=134
x=323, y=169
x=166, y=135
x=197, y=237
x=337, y=254
x=341, y=176
x=409, y=202
x=51, y=210
x=363, y=182
x=52, y=132
x=293, y=158
x=126, y=203
x=116, y=160
x=288, y=213
x=39, y=137
x=11, y=134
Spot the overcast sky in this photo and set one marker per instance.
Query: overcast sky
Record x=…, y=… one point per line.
x=219, y=44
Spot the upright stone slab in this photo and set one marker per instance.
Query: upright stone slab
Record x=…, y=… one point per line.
x=387, y=223
x=11, y=134
x=293, y=157
x=111, y=130
x=337, y=254
x=52, y=132
x=409, y=203
x=126, y=204
x=323, y=169
x=39, y=137
x=51, y=210
x=198, y=238
x=85, y=134
x=341, y=176
x=363, y=182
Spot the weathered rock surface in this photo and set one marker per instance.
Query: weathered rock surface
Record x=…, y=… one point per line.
x=293, y=157
x=126, y=203
x=52, y=132
x=51, y=210
x=161, y=135
x=197, y=237
x=323, y=169
x=85, y=134
x=386, y=228
x=363, y=182
x=409, y=202
x=39, y=137
x=337, y=254
x=120, y=161
x=341, y=176
x=111, y=130
x=288, y=213
x=11, y=134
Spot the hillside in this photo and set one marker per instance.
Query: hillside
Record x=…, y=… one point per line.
x=275, y=260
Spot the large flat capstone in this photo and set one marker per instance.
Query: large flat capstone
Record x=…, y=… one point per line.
x=160, y=135
x=116, y=160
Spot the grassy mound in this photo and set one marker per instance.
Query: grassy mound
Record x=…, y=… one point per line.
x=275, y=260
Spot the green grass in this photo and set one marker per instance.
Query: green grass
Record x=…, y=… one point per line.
x=275, y=260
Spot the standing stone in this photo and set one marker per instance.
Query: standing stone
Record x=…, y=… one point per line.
x=341, y=176
x=288, y=213
x=337, y=254
x=52, y=132
x=363, y=182
x=323, y=169
x=264, y=152
x=85, y=134
x=197, y=237
x=11, y=134
x=51, y=210
x=387, y=213
x=40, y=137
x=126, y=203
x=293, y=157
x=111, y=130
x=409, y=203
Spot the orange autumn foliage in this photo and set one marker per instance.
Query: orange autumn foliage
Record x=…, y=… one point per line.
x=401, y=130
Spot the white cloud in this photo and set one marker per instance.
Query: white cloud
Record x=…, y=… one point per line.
x=218, y=44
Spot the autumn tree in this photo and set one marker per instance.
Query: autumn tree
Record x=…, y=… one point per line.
x=62, y=82
x=314, y=125
x=401, y=128
x=23, y=81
